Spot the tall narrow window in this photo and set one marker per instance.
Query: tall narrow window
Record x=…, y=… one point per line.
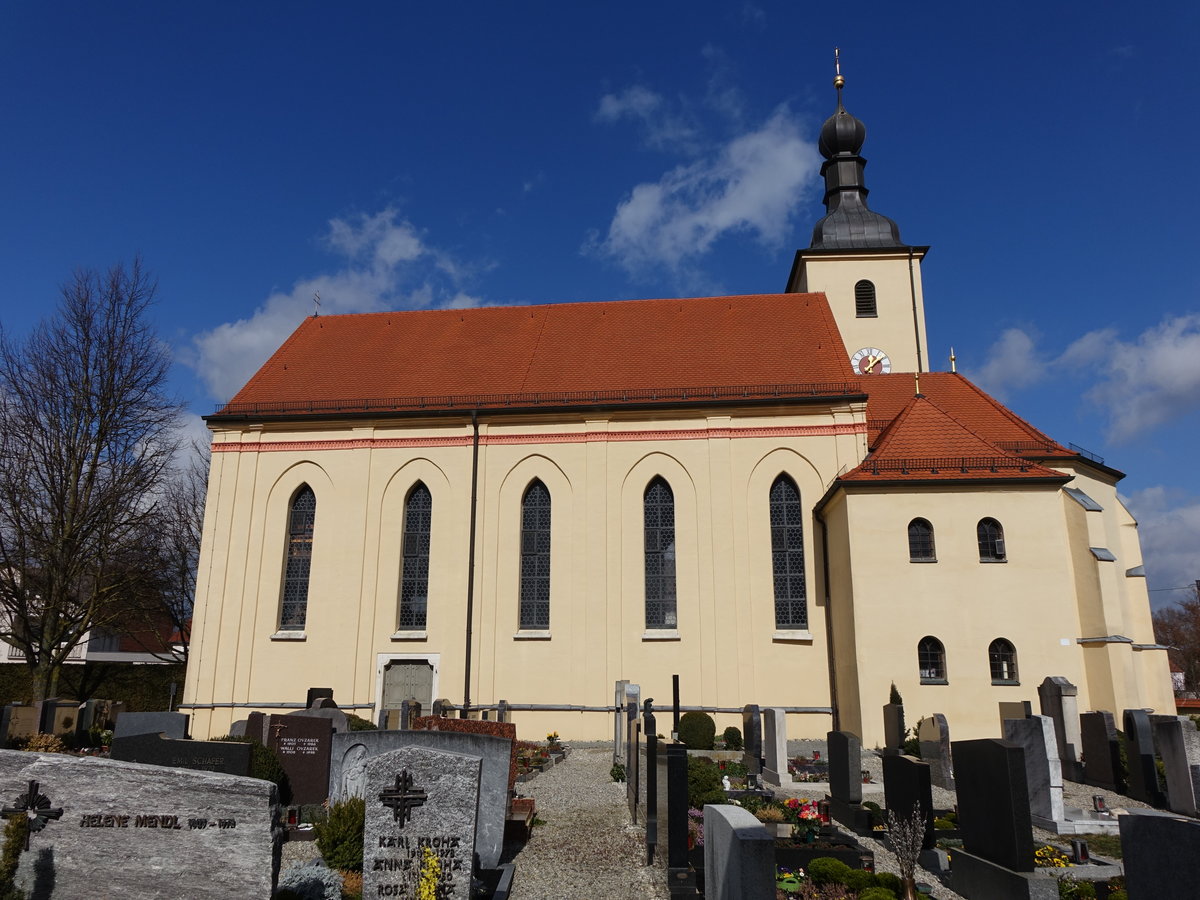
x=659, y=510
x=931, y=660
x=920, y=541
x=414, y=576
x=1002, y=658
x=864, y=299
x=535, y=558
x=787, y=554
x=301, y=517
x=991, y=541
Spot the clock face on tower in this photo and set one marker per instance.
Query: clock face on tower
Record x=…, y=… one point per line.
x=871, y=361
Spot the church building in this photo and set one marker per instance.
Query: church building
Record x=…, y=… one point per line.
x=770, y=495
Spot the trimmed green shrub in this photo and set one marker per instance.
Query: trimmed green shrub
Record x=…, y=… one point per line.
x=890, y=881
x=827, y=870
x=697, y=730
x=617, y=773
x=877, y=893
x=340, y=839
x=704, y=782
x=264, y=764
x=912, y=746
x=732, y=736
x=859, y=880
x=358, y=723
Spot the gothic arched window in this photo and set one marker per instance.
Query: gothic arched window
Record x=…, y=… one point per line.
x=931, y=660
x=659, y=515
x=787, y=555
x=535, y=558
x=414, y=573
x=1002, y=658
x=302, y=516
x=920, y=541
x=991, y=541
x=864, y=299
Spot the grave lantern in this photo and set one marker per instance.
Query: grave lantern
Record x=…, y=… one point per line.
x=1098, y=803
x=1079, y=852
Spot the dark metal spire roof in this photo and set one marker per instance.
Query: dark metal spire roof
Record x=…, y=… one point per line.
x=849, y=224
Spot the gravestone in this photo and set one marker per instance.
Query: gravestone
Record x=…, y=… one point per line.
x=128, y=830
x=1101, y=751
x=1139, y=751
x=172, y=724
x=409, y=710
x=845, y=767
x=1043, y=776
x=23, y=721
x=1059, y=700
x=739, y=855
x=303, y=745
x=228, y=757
x=752, y=749
x=466, y=726
x=893, y=729
x=933, y=733
x=57, y=716
x=993, y=803
x=1159, y=853
x=906, y=784
x=1014, y=709
x=315, y=694
x=325, y=709
x=619, y=722
x=5, y=721
x=775, y=764
x=421, y=808
x=351, y=752
x=1178, y=744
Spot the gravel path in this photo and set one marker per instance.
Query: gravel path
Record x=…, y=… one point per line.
x=586, y=849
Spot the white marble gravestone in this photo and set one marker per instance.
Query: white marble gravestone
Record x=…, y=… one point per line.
x=421, y=804
x=774, y=727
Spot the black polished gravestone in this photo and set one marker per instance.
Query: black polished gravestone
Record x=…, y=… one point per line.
x=907, y=784
x=1159, y=853
x=228, y=757
x=993, y=802
x=752, y=749
x=1101, y=751
x=845, y=767
x=303, y=745
x=1139, y=750
x=172, y=724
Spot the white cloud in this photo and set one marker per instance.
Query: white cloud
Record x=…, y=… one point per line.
x=1169, y=525
x=1147, y=381
x=753, y=184
x=662, y=128
x=388, y=265
x=1012, y=362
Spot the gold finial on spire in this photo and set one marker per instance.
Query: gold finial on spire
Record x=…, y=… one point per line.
x=838, y=80
x=953, y=367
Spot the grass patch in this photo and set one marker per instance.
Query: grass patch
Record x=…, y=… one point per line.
x=1108, y=845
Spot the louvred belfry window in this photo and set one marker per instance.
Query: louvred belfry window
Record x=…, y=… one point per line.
x=787, y=555
x=864, y=299
x=535, y=558
x=302, y=517
x=414, y=576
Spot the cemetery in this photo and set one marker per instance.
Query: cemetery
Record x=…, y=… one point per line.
x=317, y=802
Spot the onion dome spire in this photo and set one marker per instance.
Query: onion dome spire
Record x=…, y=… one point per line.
x=849, y=223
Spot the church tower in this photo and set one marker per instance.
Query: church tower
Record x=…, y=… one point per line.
x=856, y=258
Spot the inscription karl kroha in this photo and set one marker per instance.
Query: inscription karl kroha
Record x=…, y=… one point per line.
x=161, y=823
x=408, y=862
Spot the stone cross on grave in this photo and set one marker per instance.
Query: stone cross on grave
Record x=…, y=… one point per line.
x=403, y=799
x=36, y=806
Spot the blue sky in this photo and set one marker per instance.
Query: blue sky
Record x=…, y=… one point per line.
x=390, y=155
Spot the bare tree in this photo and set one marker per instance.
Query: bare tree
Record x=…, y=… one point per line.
x=1178, y=626
x=86, y=433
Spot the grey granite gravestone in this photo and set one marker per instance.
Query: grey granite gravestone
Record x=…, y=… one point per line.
x=348, y=767
x=421, y=807
x=1101, y=751
x=228, y=757
x=172, y=724
x=933, y=733
x=775, y=762
x=1139, y=751
x=129, y=830
x=845, y=767
x=1159, y=853
x=906, y=785
x=893, y=729
x=739, y=855
x=1058, y=699
x=1043, y=776
x=993, y=803
x=1178, y=744
x=752, y=749
x=302, y=744
x=23, y=721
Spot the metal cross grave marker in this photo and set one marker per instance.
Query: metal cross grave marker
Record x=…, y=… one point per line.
x=403, y=799
x=36, y=806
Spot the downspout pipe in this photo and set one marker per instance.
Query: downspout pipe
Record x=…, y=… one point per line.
x=471, y=559
x=829, y=643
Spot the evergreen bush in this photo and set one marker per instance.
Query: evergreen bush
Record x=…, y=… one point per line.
x=827, y=870
x=877, y=893
x=15, y=831
x=894, y=696
x=704, y=782
x=890, y=881
x=358, y=723
x=732, y=736
x=311, y=881
x=340, y=839
x=697, y=730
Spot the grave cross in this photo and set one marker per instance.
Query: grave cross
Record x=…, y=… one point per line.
x=36, y=807
x=403, y=799
x=277, y=727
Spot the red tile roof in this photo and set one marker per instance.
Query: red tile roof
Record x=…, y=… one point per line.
x=633, y=345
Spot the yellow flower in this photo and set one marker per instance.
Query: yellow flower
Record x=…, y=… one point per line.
x=431, y=873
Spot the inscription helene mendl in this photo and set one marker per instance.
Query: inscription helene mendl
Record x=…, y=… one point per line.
x=161, y=823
